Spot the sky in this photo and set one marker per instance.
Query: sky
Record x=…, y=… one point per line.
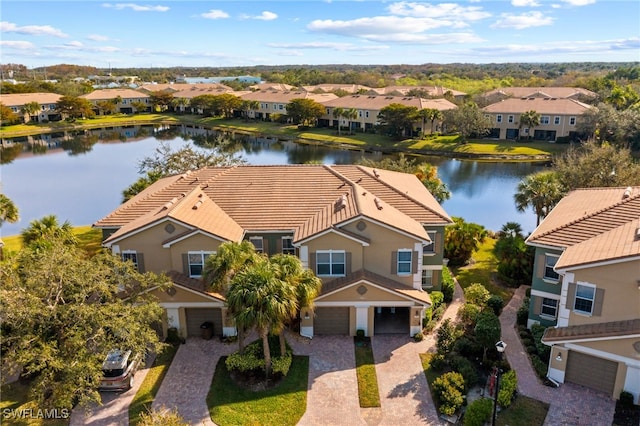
x=246, y=33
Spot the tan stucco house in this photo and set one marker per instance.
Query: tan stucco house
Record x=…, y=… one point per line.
x=586, y=287
x=47, y=104
x=124, y=98
x=374, y=237
x=274, y=102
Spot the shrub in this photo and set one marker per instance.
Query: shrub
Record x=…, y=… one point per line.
x=537, y=331
x=626, y=399
x=161, y=418
x=418, y=337
x=539, y=366
x=508, y=386
x=531, y=349
x=447, y=335
x=437, y=297
x=282, y=364
x=463, y=366
x=439, y=312
x=467, y=347
x=438, y=362
x=359, y=333
x=496, y=303
x=448, y=390
x=478, y=412
x=448, y=285
x=477, y=294
x=428, y=315
x=252, y=360
x=469, y=314
x=523, y=313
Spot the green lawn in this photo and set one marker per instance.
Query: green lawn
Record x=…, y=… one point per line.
x=15, y=396
x=282, y=405
x=146, y=394
x=524, y=411
x=368, y=393
x=89, y=239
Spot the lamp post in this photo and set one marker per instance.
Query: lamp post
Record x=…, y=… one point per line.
x=500, y=346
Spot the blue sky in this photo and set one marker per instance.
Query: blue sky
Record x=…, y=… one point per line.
x=245, y=33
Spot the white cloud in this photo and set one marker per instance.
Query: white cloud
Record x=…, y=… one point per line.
x=525, y=3
x=579, y=2
x=378, y=26
x=97, y=37
x=266, y=16
x=525, y=20
x=18, y=45
x=215, y=14
x=136, y=7
x=343, y=47
x=595, y=47
x=449, y=11
x=35, y=30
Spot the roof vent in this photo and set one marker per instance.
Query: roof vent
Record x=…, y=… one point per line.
x=637, y=238
x=197, y=205
x=378, y=203
x=627, y=193
x=375, y=173
x=340, y=203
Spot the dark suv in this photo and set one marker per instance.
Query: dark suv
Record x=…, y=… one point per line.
x=118, y=369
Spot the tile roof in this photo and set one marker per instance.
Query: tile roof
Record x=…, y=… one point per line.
x=543, y=105
x=19, y=99
x=286, y=96
x=592, y=331
x=551, y=92
x=388, y=283
x=101, y=94
x=330, y=87
x=594, y=224
x=376, y=103
x=437, y=91
x=298, y=198
x=177, y=87
x=192, y=283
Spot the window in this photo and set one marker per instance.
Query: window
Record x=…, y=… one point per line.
x=196, y=262
x=258, y=243
x=549, y=263
x=510, y=119
x=585, y=296
x=330, y=262
x=275, y=106
x=544, y=119
x=130, y=256
x=427, y=278
x=430, y=248
x=366, y=114
x=404, y=262
x=499, y=118
x=360, y=114
x=287, y=246
x=549, y=307
x=280, y=107
x=556, y=120
x=572, y=121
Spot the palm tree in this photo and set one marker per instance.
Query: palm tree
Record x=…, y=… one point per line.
x=435, y=114
x=338, y=113
x=529, y=119
x=511, y=229
x=30, y=108
x=351, y=114
x=423, y=115
x=541, y=191
x=258, y=298
x=48, y=228
x=8, y=210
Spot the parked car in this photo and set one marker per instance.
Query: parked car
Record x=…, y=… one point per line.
x=119, y=368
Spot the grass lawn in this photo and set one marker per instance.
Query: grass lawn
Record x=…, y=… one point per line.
x=368, y=393
x=487, y=147
x=524, y=411
x=146, y=394
x=284, y=404
x=89, y=239
x=483, y=271
x=15, y=396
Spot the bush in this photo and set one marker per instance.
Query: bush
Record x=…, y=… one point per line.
x=469, y=314
x=523, y=312
x=448, y=390
x=477, y=294
x=478, y=412
x=531, y=349
x=161, y=418
x=252, y=360
x=539, y=366
x=463, y=366
x=508, y=387
x=437, y=297
x=282, y=364
x=439, y=312
x=418, y=337
x=359, y=333
x=448, y=285
x=626, y=400
x=537, y=331
x=496, y=303
x=468, y=347
x=428, y=315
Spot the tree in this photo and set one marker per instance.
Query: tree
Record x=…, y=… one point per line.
x=540, y=191
x=305, y=111
x=467, y=120
x=161, y=100
x=397, y=119
x=423, y=115
x=48, y=228
x=226, y=103
x=106, y=107
x=529, y=119
x=477, y=294
x=8, y=210
x=249, y=105
x=139, y=106
x=350, y=114
x=67, y=311
x=435, y=114
x=31, y=108
x=461, y=240
x=515, y=257
x=487, y=330
x=7, y=116
x=74, y=107
x=338, y=113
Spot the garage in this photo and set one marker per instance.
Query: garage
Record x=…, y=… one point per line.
x=196, y=316
x=391, y=320
x=592, y=372
x=331, y=320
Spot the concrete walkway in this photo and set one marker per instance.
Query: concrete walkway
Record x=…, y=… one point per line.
x=570, y=404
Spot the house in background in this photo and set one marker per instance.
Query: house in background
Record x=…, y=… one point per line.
x=558, y=118
x=575, y=93
x=124, y=99
x=274, y=102
x=47, y=106
x=430, y=91
x=374, y=237
x=586, y=288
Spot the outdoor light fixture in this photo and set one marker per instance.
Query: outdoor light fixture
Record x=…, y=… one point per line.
x=306, y=315
x=500, y=346
x=559, y=357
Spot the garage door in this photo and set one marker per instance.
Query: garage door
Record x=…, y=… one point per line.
x=334, y=320
x=592, y=372
x=196, y=316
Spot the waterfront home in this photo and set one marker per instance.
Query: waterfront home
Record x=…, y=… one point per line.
x=575, y=93
x=124, y=99
x=270, y=103
x=46, y=106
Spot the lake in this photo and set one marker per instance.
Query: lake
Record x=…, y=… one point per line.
x=84, y=183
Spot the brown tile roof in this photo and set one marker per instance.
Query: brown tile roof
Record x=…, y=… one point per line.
x=376, y=103
x=362, y=274
x=550, y=92
x=20, y=99
x=297, y=198
x=273, y=86
x=594, y=224
x=436, y=91
x=329, y=87
x=192, y=92
x=592, y=331
x=102, y=94
x=192, y=283
x=178, y=87
x=540, y=105
x=286, y=96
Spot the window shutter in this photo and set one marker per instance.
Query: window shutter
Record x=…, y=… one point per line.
x=597, y=304
x=435, y=278
x=437, y=245
x=140, y=257
x=265, y=246
x=312, y=262
x=414, y=262
x=537, y=305
x=571, y=296
x=185, y=264
x=279, y=245
x=347, y=266
x=540, y=266
x=394, y=262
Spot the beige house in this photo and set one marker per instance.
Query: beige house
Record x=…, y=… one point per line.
x=558, y=118
x=368, y=107
x=47, y=105
x=181, y=87
x=270, y=102
x=124, y=98
x=433, y=91
x=576, y=93
x=587, y=284
x=329, y=87
x=374, y=237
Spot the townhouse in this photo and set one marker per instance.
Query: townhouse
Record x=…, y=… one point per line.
x=576, y=93
x=274, y=102
x=559, y=117
x=124, y=99
x=586, y=288
x=374, y=237
x=46, y=102
x=431, y=91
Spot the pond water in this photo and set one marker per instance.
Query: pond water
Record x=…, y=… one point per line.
x=82, y=181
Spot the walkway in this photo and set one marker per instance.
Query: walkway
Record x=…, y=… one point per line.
x=570, y=404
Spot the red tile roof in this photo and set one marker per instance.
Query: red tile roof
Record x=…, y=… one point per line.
x=592, y=331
